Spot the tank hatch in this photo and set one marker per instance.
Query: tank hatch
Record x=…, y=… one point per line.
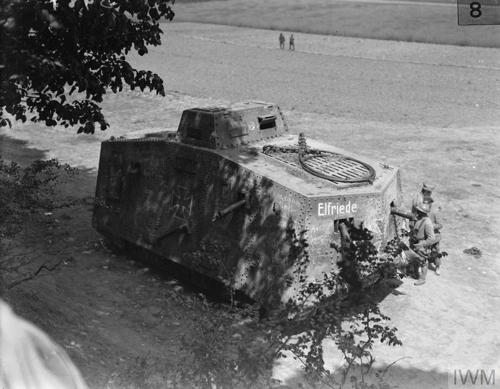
x=331, y=166
x=232, y=126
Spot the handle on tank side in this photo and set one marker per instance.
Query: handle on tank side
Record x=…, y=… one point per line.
x=231, y=208
x=181, y=228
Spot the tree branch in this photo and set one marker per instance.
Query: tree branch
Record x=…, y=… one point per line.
x=34, y=274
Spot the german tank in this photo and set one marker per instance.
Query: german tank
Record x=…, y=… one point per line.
x=226, y=194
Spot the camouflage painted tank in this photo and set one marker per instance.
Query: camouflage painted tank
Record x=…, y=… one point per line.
x=225, y=194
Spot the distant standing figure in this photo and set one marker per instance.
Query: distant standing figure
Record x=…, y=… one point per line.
x=282, y=41
x=292, y=43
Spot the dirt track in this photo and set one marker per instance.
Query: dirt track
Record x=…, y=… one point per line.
x=431, y=110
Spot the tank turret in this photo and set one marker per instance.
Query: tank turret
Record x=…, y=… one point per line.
x=239, y=125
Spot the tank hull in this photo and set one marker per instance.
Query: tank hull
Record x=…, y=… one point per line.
x=233, y=214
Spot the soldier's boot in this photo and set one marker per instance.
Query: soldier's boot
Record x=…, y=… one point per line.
x=437, y=266
x=422, y=274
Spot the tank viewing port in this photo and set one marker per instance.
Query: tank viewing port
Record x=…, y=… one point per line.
x=267, y=122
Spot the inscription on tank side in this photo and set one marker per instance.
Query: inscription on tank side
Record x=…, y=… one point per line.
x=337, y=208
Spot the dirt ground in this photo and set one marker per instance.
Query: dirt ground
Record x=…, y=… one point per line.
x=110, y=313
x=434, y=116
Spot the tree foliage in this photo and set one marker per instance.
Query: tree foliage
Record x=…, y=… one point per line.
x=26, y=192
x=29, y=190
x=59, y=57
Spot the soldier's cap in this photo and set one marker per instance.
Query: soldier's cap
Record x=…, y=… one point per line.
x=428, y=187
x=423, y=207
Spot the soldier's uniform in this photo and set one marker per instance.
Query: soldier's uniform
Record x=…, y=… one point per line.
x=437, y=231
x=432, y=214
x=422, y=234
x=435, y=222
x=282, y=41
x=422, y=241
x=292, y=42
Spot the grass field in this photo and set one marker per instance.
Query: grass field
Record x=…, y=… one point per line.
x=430, y=21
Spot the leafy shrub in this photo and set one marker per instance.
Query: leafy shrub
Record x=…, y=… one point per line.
x=25, y=191
x=235, y=346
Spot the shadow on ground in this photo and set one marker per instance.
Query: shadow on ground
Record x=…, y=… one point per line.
x=386, y=377
x=16, y=150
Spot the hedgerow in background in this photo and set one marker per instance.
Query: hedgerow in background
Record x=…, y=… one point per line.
x=59, y=57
